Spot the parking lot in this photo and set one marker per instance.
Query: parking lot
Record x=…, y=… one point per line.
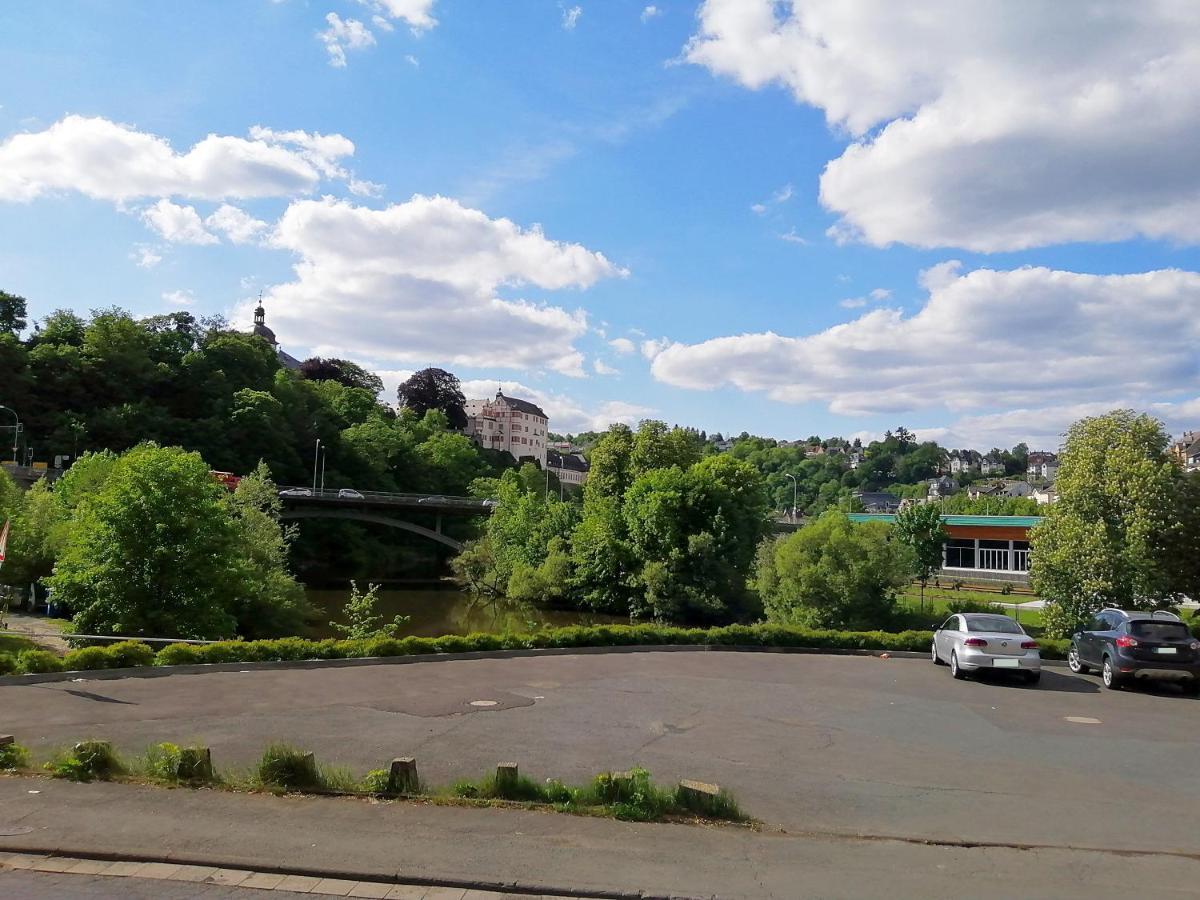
x=807, y=742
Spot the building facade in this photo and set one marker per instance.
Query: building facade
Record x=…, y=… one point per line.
x=981, y=548
x=507, y=423
x=263, y=331
x=571, y=468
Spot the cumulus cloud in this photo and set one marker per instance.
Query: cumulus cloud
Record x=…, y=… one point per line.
x=983, y=341
x=417, y=14
x=236, y=224
x=651, y=348
x=566, y=414
x=108, y=161
x=418, y=281
x=876, y=296
x=651, y=12
x=362, y=188
x=982, y=126
x=622, y=345
x=178, y=224
x=602, y=368
x=342, y=35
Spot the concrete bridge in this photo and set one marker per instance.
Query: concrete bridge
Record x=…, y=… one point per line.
x=392, y=510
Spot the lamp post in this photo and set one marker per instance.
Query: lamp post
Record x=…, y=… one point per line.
x=316, y=455
x=795, y=490
x=16, y=431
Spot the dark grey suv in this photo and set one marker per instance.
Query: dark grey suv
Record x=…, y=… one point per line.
x=1126, y=645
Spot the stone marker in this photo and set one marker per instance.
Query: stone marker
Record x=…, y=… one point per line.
x=403, y=775
x=195, y=764
x=6, y=739
x=506, y=774
x=698, y=790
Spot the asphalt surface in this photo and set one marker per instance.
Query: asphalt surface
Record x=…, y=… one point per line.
x=821, y=747
x=49, y=886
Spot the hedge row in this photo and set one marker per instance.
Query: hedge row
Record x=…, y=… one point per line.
x=131, y=653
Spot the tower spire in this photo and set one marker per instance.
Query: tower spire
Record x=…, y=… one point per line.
x=260, y=314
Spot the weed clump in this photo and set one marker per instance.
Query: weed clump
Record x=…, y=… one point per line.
x=283, y=766
x=179, y=765
x=13, y=756
x=87, y=761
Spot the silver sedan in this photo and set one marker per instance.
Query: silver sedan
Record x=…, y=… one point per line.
x=968, y=642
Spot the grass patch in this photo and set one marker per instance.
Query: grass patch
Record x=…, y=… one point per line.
x=13, y=644
x=87, y=761
x=284, y=767
x=178, y=765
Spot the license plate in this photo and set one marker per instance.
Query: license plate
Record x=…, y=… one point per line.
x=1165, y=650
x=1006, y=664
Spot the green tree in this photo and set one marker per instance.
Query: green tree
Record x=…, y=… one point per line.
x=833, y=573
x=363, y=619
x=154, y=552
x=434, y=389
x=1102, y=543
x=12, y=313
x=920, y=527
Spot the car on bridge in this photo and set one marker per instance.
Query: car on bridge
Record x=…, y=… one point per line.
x=295, y=492
x=349, y=494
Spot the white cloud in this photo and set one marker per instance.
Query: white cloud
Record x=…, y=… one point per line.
x=651, y=12
x=108, y=161
x=570, y=17
x=417, y=14
x=364, y=188
x=983, y=342
x=236, y=224
x=145, y=256
x=178, y=298
x=793, y=238
x=566, y=414
x=417, y=282
x=342, y=35
x=622, y=345
x=783, y=195
x=758, y=208
x=603, y=368
x=980, y=126
x=651, y=348
x=177, y=224
x=878, y=295
x=412, y=61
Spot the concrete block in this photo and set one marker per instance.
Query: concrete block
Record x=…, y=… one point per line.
x=195, y=764
x=6, y=739
x=402, y=777
x=506, y=773
x=698, y=790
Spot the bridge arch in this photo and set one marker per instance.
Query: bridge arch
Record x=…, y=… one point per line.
x=375, y=518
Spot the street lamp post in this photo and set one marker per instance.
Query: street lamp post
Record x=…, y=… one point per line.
x=795, y=491
x=316, y=456
x=16, y=431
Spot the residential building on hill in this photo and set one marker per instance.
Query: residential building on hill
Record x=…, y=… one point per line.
x=991, y=466
x=507, y=423
x=571, y=468
x=1042, y=465
x=1187, y=450
x=877, y=501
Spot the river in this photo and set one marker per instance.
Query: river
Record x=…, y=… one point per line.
x=435, y=611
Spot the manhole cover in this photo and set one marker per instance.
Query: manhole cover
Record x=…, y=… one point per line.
x=1083, y=720
x=485, y=703
x=14, y=830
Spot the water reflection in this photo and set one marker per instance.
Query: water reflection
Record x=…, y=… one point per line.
x=437, y=611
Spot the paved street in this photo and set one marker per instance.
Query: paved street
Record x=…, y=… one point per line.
x=819, y=746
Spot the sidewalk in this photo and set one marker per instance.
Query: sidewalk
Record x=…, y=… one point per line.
x=527, y=852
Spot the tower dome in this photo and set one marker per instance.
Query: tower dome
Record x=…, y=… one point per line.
x=260, y=325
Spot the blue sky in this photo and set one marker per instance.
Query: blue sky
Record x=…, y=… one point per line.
x=806, y=217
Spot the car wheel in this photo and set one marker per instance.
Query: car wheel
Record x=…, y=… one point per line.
x=1111, y=677
x=1074, y=663
x=937, y=660
x=954, y=668
x=1033, y=677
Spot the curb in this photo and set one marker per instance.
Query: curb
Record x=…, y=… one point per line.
x=179, y=861
x=207, y=668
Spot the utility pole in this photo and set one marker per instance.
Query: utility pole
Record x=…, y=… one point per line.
x=16, y=432
x=795, y=490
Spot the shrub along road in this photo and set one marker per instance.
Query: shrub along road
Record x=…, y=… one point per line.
x=850, y=745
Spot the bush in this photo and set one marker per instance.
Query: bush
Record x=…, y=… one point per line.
x=86, y=761
x=8, y=664
x=283, y=766
x=37, y=662
x=86, y=658
x=129, y=654
x=177, y=655
x=971, y=606
x=13, y=756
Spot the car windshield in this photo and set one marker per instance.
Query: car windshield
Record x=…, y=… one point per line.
x=1001, y=624
x=1160, y=631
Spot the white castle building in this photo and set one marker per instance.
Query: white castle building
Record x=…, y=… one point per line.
x=506, y=423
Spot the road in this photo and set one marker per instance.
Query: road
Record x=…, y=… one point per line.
x=819, y=746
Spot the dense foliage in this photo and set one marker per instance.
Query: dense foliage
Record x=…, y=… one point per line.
x=1123, y=532
x=662, y=532
x=834, y=573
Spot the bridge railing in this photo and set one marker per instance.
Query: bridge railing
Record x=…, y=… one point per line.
x=433, y=501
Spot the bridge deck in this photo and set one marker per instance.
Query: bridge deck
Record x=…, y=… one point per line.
x=433, y=503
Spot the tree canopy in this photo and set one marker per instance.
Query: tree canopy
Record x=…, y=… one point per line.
x=434, y=389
